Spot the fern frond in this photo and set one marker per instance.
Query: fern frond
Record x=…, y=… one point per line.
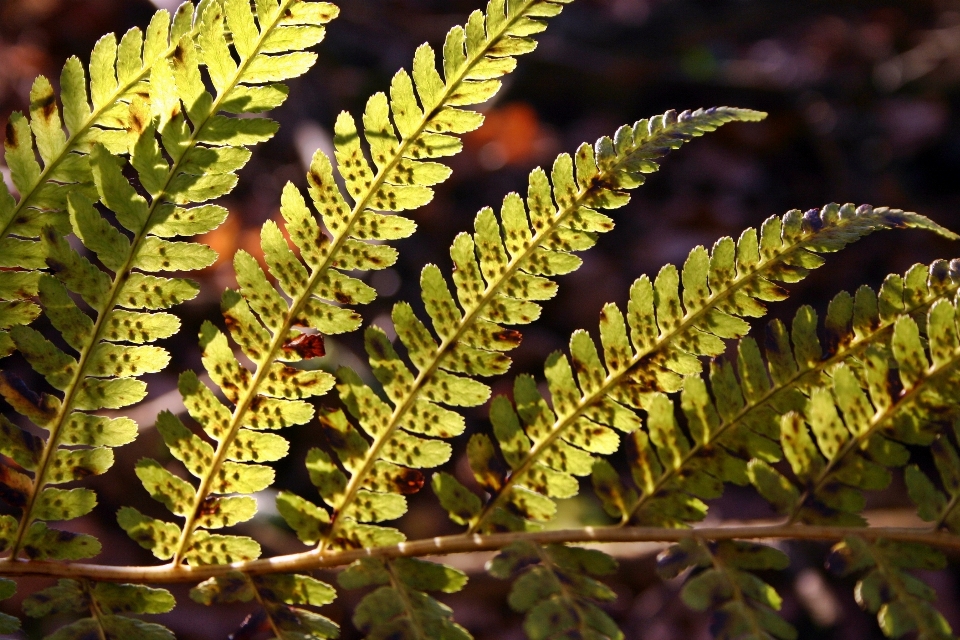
x=281, y=600
x=118, y=75
x=743, y=605
x=902, y=603
x=106, y=605
x=738, y=418
x=400, y=607
x=268, y=396
x=498, y=285
x=553, y=587
x=545, y=447
x=933, y=504
x=858, y=426
x=206, y=150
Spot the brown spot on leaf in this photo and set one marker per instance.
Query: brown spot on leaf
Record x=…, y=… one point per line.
x=10, y=135
x=210, y=506
x=14, y=487
x=47, y=106
x=409, y=482
x=306, y=346
x=510, y=336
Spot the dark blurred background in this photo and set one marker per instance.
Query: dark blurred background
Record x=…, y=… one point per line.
x=864, y=104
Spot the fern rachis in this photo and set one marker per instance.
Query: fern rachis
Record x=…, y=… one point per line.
x=368, y=195
x=134, y=248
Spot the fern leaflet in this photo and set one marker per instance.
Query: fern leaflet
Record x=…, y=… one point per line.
x=206, y=153
x=743, y=605
x=281, y=600
x=901, y=602
x=553, y=587
x=106, y=605
x=854, y=438
x=933, y=504
x=401, y=607
x=494, y=290
x=118, y=75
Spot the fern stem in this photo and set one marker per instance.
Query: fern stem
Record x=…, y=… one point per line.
x=75, y=136
x=401, y=590
x=954, y=502
x=850, y=350
x=265, y=609
x=876, y=423
x=461, y=543
x=903, y=594
x=614, y=378
x=102, y=321
x=95, y=610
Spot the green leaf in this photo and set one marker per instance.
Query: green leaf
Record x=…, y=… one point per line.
x=461, y=504
x=43, y=543
x=132, y=598
x=207, y=548
x=157, y=536
x=67, y=596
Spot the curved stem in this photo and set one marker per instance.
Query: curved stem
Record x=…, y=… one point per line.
x=103, y=318
x=223, y=447
x=462, y=543
x=280, y=336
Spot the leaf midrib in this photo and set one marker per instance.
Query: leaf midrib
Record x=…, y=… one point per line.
x=466, y=322
x=95, y=114
x=224, y=445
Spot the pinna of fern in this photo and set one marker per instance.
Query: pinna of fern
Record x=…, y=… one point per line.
x=545, y=447
x=739, y=412
x=494, y=292
x=206, y=149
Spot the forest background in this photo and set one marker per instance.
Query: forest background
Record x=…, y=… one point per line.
x=864, y=104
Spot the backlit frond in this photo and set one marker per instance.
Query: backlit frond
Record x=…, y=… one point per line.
x=545, y=446
x=201, y=152
x=501, y=273
x=742, y=605
x=850, y=434
x=902, y=603
x=736, y=418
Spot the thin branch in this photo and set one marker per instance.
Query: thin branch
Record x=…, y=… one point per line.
x=456, y=544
